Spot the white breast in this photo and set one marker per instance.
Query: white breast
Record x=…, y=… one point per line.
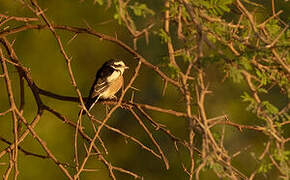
x=114, y=76
x=113, y=88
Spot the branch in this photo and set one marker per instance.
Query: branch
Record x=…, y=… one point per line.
x=28, y=153
x=96, y=34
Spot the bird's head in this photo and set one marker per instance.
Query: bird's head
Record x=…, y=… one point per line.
x=118, y=65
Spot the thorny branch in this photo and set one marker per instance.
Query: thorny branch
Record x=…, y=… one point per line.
x=190, y=81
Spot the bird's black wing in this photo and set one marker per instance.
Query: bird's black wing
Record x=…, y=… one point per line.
x=99, y=86
x=100, y=83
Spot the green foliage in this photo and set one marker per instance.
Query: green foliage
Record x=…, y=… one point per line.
x=117, y=15
x=252, y=103
x=186, y=57
x=273, y=28
x=118, y=18
x=215, y=7
x=281, y=156
x=245, y=62
x=285, y=117
x=100, y=2
x=218, y=168
x=235, y=74
x=287, y=42
x=265, y=167
x=164, y=36
x=138, y=9
x=281, y=79
x=228, y=42
x=218, y=7
x=173, y=71
x=217, y=136
x=217, y=28
x=174, y=10
x=270, y=107
x=263, y=77
x=141, y=9
x=262, y=90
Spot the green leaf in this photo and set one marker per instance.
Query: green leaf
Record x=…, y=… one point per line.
x=235, y=74
x=100, y=2
x=218, y=168
x=252, y=103
x=225, y=8
x=273, y=27
x=263, y=77
x=173, y=70
x=265, y=167
x=247, y=98
x=141, y=9
x=281, y=155
x=270, y=107
x=118, y=18
x=262, y=90
x=164, y=36
x=246, y=63
x=216, y=7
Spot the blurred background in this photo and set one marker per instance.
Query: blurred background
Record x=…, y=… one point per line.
x=38, y=50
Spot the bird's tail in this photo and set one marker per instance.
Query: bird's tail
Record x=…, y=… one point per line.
x=90, y=104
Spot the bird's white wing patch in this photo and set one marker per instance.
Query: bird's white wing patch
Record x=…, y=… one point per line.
x=113, y=76
x=100, y=89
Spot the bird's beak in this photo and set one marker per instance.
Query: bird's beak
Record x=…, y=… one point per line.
x=126, y=67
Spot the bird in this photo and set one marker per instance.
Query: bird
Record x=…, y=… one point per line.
x=109, y=80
